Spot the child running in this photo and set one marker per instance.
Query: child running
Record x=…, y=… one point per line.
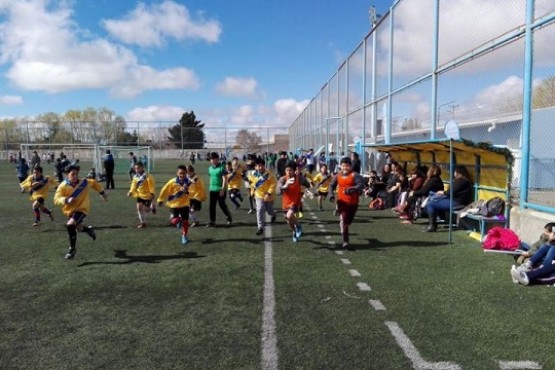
x=143, y=189
x=234, y=178
x=290, y=188
x=176, y=195
x=38, y=186
x=197, y=195
x=322, y=182
x=349, y=186
x=73, y=195
x=264, y=188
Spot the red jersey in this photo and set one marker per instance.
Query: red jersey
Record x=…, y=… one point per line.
x=291, y=196
x=344, y=182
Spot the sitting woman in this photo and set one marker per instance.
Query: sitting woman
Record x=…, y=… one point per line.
x=415, y=182
x=432, y=183
x=462, y=190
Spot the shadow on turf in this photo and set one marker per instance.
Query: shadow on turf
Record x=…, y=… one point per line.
x=375, y=244
x=122, y=254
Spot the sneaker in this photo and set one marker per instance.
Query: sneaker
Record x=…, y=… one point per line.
x=70, y=253
x=295, y=238
x=184, y=239
x=36, y=223
x=525, y=267
x=259, y=231
x=273, y=218
x=515, y=281
x=251, y=211
x=91, y=232
x=210, y=224
x=345, y=245
x=193, y=224
x=520, y=276
x=299, y=231
x=300, y=214
x=229, y=221
x=178, y=225
x=141, y=225
x=153, y=209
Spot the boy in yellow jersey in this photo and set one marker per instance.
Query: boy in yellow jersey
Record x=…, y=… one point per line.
x=234, y=178
x=176, y=195
x=321, y=183
x=142, y=188
x=197, y=195
x=264, y=189
x=73, y=195
x=38, y=186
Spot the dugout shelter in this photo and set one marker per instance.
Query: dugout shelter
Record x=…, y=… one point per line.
x=489, y=166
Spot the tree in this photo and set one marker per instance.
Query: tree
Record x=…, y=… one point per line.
x=544, y=94
x=248, y=140
x=188, y=133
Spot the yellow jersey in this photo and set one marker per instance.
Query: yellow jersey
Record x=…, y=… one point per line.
x=37, y=187
x=143, y=186
x=263, y=183
x=175, y=193
x=79, y=191
x=197, y=190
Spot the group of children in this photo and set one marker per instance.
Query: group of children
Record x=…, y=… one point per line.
x=184, y=195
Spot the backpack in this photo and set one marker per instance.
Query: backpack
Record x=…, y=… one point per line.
x=501, y=239
x=493, y=207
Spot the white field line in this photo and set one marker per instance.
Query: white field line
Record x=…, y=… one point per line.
x=514, y=365
x=321, y=226
x=363, y=287
x=331, y=242
x=314, y=217
x=345, y=261
x=412, y=353
x=328, y=236
x=323, y=230
x=354, y=273
x=339, y=252
x=269, y=338
x=376, y=305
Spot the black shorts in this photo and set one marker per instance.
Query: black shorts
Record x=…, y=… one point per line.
x=78, y=217
x=196, y=205
x=180, y=212
x=146, y=202
x=323, y=194
x=40, y=200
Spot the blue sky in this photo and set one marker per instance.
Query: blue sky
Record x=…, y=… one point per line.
x=234, y=62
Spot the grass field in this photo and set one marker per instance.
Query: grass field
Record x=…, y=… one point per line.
x=137, y=299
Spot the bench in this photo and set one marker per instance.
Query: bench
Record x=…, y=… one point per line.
x=478, y=224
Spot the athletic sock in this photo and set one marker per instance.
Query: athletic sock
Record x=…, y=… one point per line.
x=37, y=214
x=72, y=231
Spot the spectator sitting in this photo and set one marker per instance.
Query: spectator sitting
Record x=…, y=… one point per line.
x=415, y=182
x=432, y=183
x=462, y=195
x=534, y=269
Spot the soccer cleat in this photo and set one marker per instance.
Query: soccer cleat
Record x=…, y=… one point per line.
x=193, y=224
x=153, y=209
x=273, y=218
x=70, y=253
x=515, y=281
x=259, y=231
x=229, y=221
x=345, y=245
x=295, y=238
x=210, y=224
x=91, y=232
x=519, y=276
x=141, y=225
x=184, y=239
x=298, y=231
x=251, y=211
x=36, y=223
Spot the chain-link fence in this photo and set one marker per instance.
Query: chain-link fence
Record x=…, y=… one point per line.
x=488, y=65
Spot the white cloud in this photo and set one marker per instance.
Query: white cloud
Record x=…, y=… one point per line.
x=287, y=110
x=494, y=95
x=11, y=100
x=162, y=113
x=238, y=87
x=46, y=55
x=149, y=25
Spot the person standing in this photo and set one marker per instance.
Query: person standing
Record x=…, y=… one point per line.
x=217, y=189
x=310, y=161
x=109, y=166
x=38, y=186
x=73, y=196
x=264, y=189
x=22, y=170
x=281, y=164
x=132, y=162
x=143, y=188
x=349, y=185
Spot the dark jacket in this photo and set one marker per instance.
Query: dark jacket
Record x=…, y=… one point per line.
x=434, y=184
x=462, y=191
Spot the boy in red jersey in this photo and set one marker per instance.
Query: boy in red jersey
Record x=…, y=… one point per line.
x=349, y=186
x=290, y=188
